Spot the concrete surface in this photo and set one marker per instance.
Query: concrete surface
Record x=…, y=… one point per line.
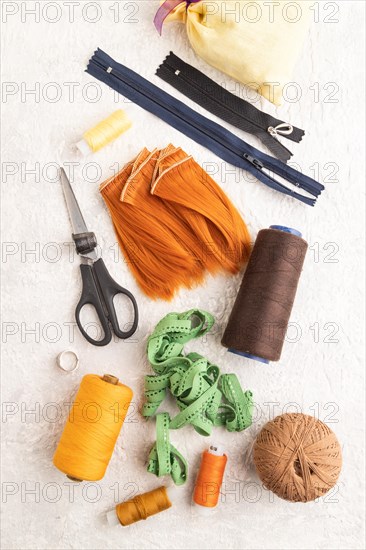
x=322, y=368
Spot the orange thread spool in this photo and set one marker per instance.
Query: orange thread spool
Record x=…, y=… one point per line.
x=140, y=507
x=209, y=479
x=91, y=431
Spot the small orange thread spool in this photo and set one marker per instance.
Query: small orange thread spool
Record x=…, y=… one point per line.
x=90, y=434
x=140, y=507
x=210, y=476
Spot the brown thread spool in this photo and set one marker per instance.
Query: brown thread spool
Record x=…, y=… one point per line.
x=258, y=321
x=141, y=507
x=110, y=379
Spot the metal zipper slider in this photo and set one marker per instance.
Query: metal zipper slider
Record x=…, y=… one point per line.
x=109, y=70
x=257, y=163
x=283, y=129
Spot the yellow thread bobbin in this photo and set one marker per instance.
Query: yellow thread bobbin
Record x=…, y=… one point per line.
x=105, y=132
x=91, y=431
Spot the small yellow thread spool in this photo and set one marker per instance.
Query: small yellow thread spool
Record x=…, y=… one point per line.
x=93, y=426
x=141, y=507
x=105, y=132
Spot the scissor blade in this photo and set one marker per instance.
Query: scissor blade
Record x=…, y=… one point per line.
x=77, y=221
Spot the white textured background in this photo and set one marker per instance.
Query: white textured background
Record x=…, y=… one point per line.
x=321, y=371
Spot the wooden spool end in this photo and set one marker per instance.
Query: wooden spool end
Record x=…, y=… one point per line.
x=76, y=479
x=110, y=379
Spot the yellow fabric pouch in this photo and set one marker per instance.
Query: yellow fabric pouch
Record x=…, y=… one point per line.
x=256, y=43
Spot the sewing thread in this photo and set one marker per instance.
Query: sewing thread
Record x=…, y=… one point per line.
x=104, y=132
x=258, y=321
x=95, y=420
x=298, y=457
x=143, y=506
x=210, y=476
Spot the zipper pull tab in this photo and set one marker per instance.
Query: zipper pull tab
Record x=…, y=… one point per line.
x=283, y=129
x=257, y=163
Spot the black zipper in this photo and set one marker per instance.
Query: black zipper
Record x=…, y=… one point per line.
x=231, y=108
x=240, y=106
x=267, y=138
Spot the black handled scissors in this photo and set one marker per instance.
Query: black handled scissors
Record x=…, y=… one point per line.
x=99, y=289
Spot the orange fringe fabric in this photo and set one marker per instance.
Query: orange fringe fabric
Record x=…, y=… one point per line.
x=173, y=222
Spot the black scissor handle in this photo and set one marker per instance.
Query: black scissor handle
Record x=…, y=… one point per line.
x=110, y=289
x=90, y=295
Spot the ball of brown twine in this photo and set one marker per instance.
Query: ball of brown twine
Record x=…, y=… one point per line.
x=297, y=457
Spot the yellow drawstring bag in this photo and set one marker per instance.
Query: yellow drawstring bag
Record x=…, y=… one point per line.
x=255, y=42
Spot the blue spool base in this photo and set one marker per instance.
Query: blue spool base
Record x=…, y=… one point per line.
x=286, y=230
x=248, y=355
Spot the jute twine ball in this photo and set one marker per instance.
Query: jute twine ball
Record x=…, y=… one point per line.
x=297, y=457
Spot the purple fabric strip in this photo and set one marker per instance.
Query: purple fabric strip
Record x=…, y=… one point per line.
x=165, y=9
